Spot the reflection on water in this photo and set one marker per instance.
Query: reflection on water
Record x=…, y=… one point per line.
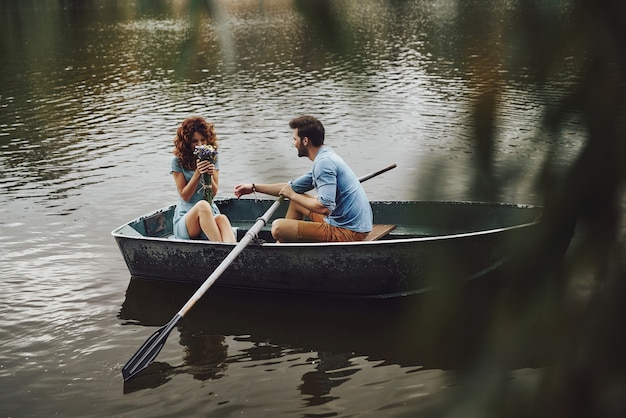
x=112, y=90
x=327, y=340
x=91, y=94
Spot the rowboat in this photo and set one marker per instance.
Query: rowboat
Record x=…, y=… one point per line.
x=415, y=246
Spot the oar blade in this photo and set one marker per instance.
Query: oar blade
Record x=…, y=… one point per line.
x=149, y=350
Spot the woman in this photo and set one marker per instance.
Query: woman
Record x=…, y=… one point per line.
x=195, y=217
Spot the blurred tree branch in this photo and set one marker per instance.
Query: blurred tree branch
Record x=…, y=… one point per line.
x=581, y=340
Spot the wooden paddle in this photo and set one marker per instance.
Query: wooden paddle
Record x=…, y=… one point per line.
x=153, y=345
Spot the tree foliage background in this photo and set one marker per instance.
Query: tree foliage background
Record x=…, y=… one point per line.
x=564, y=300
x=568, y=311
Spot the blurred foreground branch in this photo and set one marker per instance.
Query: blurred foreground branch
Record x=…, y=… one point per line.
x=570, y=312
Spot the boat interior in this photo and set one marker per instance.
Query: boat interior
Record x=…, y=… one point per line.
x=393, y=219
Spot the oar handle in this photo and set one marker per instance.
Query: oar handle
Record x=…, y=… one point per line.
x=369, y=176
x=153, y=345
x=250, y=235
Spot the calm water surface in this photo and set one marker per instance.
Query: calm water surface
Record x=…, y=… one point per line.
x=90, y=98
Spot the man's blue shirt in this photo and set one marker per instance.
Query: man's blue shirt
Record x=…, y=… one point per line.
x=339, y=189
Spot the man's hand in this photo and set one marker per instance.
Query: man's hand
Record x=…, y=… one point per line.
x=287, y=191
x=242, y=189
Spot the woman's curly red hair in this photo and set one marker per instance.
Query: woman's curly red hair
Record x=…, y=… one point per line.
x=184, y=134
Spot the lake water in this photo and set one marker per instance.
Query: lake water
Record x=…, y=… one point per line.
x=91, y=95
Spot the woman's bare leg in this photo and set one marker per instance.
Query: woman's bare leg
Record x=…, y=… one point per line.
x=225, y=228
x=200, y=219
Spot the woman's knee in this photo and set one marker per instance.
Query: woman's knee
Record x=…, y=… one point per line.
x=203, y=207
x=222, y=220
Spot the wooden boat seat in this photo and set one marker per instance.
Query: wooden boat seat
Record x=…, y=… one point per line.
x=379, y=231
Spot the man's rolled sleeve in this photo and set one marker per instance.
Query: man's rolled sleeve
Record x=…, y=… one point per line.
x=303, y=183
x=326, y=196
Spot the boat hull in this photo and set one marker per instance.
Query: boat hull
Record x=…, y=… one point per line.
x=412, y=259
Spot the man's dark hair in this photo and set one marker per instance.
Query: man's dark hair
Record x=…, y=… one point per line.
x=310, y=127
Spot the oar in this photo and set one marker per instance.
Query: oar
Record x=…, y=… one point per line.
x=153, y=345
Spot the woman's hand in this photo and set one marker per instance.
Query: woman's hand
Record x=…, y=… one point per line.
x=205, y=167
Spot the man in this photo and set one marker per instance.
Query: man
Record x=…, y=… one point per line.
x=341, y=210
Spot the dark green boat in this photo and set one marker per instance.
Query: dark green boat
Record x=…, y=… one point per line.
x=417, y=243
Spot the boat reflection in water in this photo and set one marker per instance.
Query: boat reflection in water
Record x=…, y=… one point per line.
x=273, y=330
